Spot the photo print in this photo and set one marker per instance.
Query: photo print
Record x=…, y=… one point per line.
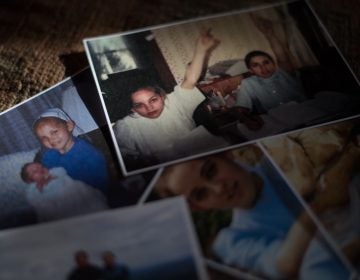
x=155, y=241
x=249, y=222
x=188, y=89
x=56, y=160
x=325, y=161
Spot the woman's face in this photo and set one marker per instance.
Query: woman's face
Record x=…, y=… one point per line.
x=214, y=182
x=147, y=103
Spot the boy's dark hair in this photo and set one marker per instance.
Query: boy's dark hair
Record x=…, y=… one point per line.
x=252, y=54
x=81, y=253
x=23, y=174
x=108, y=253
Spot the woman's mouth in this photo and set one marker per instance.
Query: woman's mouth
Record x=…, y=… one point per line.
x=152, y=113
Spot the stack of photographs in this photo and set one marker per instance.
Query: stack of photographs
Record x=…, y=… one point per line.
x=225, y=147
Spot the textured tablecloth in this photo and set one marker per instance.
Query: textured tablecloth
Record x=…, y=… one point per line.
x=41, y=40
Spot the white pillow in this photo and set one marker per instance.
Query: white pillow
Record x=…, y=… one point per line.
x=12, y=195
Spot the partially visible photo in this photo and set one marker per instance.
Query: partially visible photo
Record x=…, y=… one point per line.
x=156, y=241
x=325, y=162
x=56, y=158
x=248, y=220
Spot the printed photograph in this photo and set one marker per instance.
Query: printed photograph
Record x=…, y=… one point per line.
x=56, y=160
x=156, y=241
x=188, y=89
x=325, y=161
x=249, y=222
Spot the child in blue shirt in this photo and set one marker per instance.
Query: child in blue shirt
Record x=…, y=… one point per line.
x=81, y=160
x=266, y=236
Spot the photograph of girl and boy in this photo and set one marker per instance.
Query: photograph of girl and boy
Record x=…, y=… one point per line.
x=200, y=86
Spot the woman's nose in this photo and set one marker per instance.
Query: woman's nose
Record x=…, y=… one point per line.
x=148, y=107
x=151, y=106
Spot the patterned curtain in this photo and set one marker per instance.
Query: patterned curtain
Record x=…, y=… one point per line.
x=238, y=36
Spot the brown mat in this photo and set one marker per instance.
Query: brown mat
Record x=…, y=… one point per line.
x=41, y=40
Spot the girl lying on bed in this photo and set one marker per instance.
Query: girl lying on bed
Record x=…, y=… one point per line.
x=158, y=120
x=55, y=195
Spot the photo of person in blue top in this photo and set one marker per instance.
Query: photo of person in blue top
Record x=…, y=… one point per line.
x=81, y=160
x=273, y=81
x=270, y=234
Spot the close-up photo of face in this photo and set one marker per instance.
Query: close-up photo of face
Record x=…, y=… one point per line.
x=55, y=134
x=147, y=103
x=214, y=182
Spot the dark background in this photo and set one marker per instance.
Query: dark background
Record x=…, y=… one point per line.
x=41, y=40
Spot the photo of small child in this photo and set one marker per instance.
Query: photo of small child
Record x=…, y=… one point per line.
x=55, y=195
x=56, y=161
x=81, y=160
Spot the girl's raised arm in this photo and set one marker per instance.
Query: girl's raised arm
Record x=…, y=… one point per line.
x=205, y=43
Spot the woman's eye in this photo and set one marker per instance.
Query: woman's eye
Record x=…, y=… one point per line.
x=154, y=99
x=137, y=105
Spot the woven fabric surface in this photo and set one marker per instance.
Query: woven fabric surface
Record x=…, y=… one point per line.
x=41, y=40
